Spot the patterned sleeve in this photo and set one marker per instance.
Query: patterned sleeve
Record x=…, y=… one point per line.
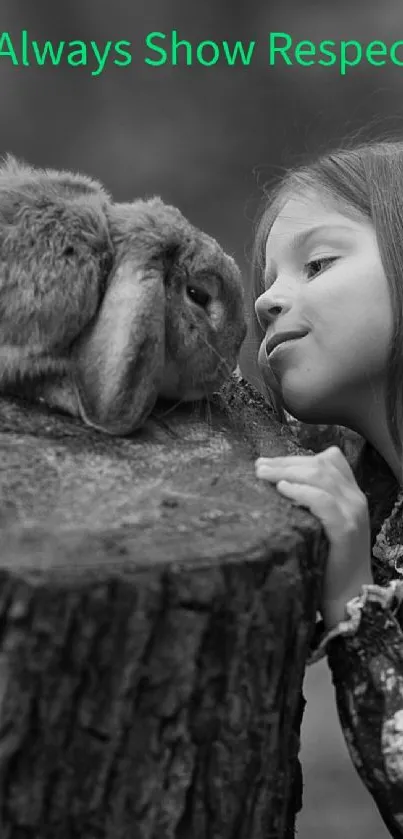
x=365, y=656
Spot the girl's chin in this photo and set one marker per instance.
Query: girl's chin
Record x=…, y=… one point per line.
x=308, y=408
x=295, y=393
x=297, y=399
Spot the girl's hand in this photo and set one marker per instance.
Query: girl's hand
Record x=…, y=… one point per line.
x=325, y=484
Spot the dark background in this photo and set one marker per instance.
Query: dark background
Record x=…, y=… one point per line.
x=207, y=139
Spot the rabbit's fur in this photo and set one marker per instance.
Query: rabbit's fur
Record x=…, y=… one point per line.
x=105, y=306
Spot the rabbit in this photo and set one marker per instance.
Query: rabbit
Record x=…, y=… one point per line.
x=105, y=306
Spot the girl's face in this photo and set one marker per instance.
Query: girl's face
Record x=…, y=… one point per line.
x=324, y=276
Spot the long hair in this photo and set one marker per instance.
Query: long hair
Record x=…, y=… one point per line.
x=366, y=179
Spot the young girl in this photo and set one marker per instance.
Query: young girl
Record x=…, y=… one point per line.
x=328, y=269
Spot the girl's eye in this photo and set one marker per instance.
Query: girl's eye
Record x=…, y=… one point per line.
x=317, y=265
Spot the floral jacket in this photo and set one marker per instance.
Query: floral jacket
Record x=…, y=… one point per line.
x=365, y=651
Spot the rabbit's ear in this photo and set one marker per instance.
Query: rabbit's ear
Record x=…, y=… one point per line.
x=119, y=360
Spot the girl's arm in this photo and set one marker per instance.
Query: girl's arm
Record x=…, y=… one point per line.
x=365, y=645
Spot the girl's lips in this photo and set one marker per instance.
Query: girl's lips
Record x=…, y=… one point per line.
x=280, y=340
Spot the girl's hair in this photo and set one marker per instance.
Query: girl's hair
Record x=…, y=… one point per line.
x=366, y=179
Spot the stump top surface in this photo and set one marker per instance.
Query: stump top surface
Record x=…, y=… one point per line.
x=179, y=488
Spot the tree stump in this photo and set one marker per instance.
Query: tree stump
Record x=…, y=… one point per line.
x=157, y=604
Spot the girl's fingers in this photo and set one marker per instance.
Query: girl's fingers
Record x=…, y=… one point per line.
x=328, y=478
x=331, y=457
x=320, y=503
x=335, y=456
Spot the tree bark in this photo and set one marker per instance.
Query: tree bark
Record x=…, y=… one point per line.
x=157, y=604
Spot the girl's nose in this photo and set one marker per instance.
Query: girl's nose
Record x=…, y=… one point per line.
x=269, y=307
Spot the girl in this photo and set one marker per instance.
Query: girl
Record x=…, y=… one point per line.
x=328, y=275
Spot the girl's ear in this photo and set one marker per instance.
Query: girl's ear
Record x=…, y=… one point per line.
x=118, y=362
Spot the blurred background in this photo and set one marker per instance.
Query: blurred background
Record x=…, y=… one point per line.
x=207, y=139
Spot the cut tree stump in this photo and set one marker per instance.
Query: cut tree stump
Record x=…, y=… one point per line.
x=157, y=604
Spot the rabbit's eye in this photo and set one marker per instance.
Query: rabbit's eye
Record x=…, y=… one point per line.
x=198, y=295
